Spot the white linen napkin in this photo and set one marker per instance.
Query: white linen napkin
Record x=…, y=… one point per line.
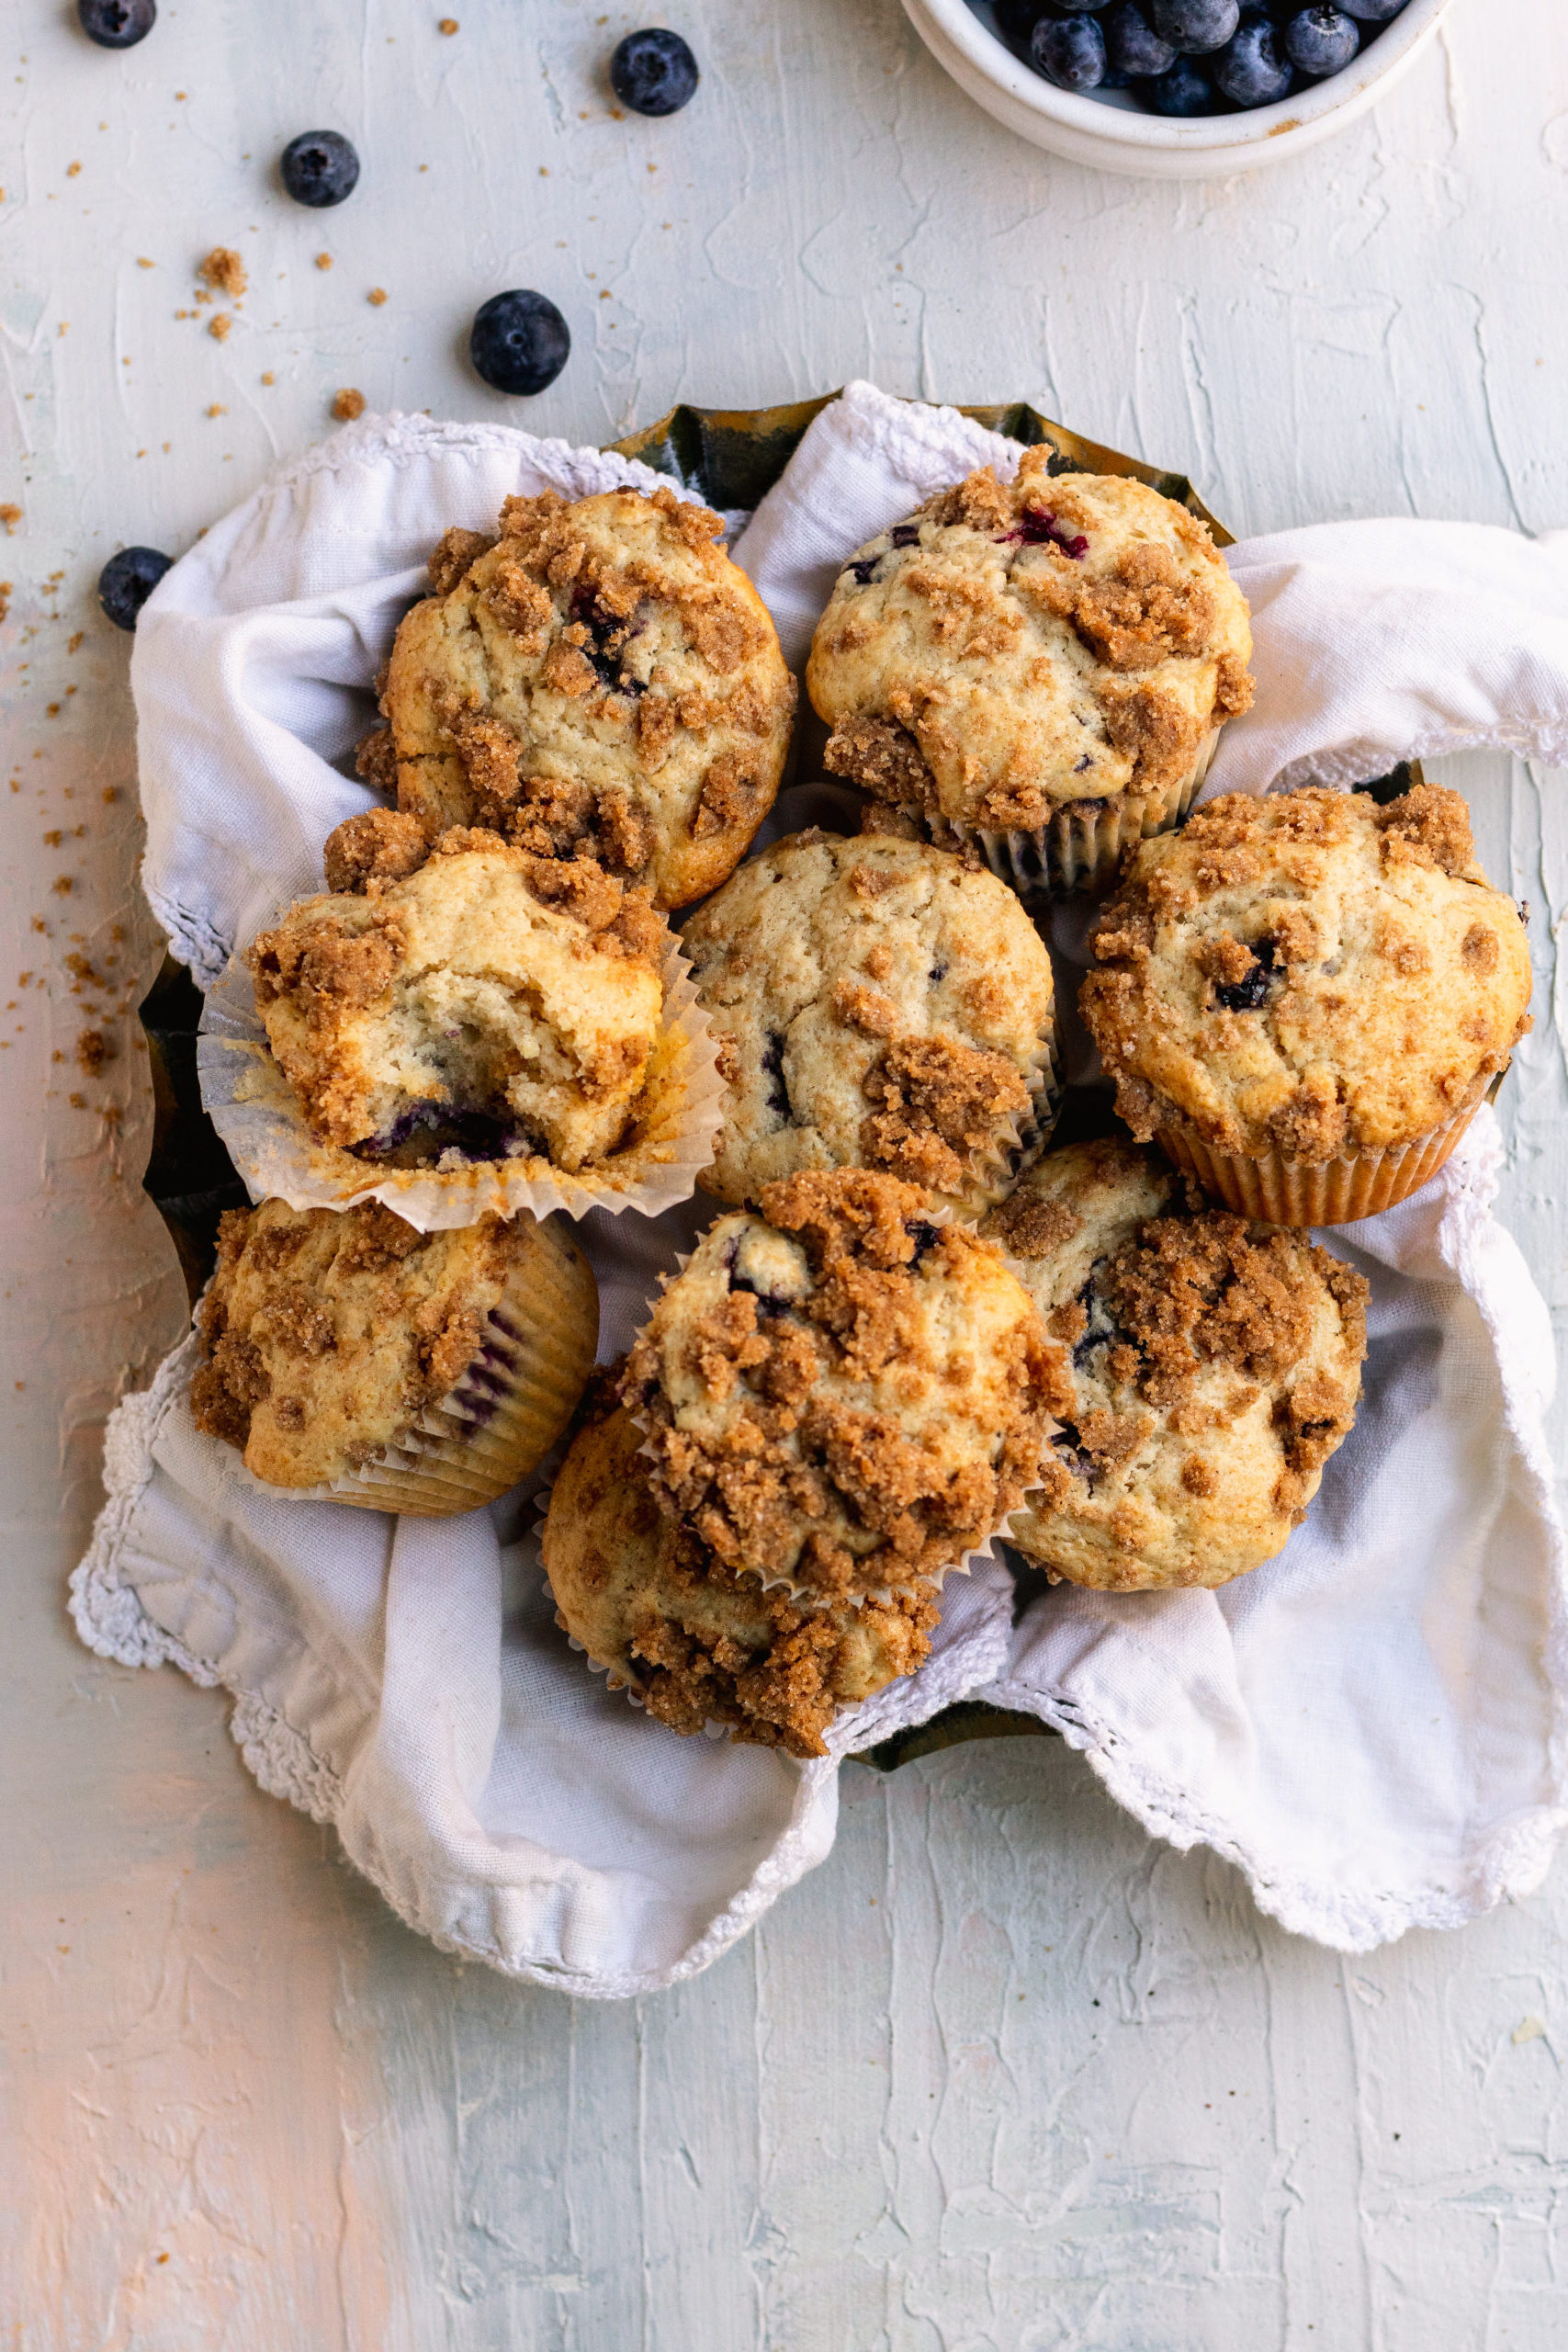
x=1371, y=1725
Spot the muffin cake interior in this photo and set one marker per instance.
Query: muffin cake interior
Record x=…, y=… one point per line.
x=481, y=1001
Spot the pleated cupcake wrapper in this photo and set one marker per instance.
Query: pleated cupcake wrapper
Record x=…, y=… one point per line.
x=1080, y=848
x=1277, y=1191
x=993, y=1175
x=497, y=1421
x=253, y=1109
x=925, y=1587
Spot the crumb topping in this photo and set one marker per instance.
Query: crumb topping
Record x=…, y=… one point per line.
x=941, y=1104
x=810, y=1413
x=224, y=271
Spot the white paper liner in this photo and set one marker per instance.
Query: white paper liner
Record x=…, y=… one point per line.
x=472, y=1445
x=927, y=1587
x=994, y=1174
x=1079, y=848
x=252, y=1107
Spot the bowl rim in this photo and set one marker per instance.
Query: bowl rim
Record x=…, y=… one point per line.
x=1091, y=117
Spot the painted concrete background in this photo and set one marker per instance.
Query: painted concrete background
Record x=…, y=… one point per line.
x=1002, y=2074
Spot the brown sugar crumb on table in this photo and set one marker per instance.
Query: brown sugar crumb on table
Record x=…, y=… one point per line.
x=348, y=404
x=223, y=271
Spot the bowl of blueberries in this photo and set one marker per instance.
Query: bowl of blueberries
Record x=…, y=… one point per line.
x=1175, y=89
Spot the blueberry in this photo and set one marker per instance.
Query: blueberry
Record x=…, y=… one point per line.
x=1195, y=26
x=519, y=341
x=1320, y=40
x=116, y=24
x=654, y=71
x=1251, y=994
x=320, y=168
x=1132, y=43
x=1249, y=69
x=1372, y=12
x=1068, y=51
x=1182, y=91
x=127, y=580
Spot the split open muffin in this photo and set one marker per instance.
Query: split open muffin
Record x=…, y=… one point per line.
x=469, y=999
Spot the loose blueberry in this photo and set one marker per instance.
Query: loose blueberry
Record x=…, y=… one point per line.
x=116, y=24
x=320, y=168
x=127, y=580
x=1321, y=40
x=1196, y=26
x=1068, y=51
x=1182, y=91
x=654, y=71
x=1249, y=69
x=519, y=341
x=1132, y=43
x=1372, y=12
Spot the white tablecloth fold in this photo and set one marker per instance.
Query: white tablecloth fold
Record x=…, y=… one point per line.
x=1371, y=1726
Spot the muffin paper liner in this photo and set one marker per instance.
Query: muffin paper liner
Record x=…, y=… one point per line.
x=500, y=1420
x=994, y=1174
x=1081, y=848
x=917, y=1587
x=252, y=1107
x=1277, y=1191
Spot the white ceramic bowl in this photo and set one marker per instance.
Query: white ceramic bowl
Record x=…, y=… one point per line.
x=1115, y=133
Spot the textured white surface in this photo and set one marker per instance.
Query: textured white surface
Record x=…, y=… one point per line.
x=1002, y=2074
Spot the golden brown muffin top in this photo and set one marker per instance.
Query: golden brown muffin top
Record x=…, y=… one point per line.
x=1307, y=973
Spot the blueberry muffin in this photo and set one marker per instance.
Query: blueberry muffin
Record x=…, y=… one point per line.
x=694, y=1640
x=1304, y=998
x=471, y=997
x=597, y=680
x=1215, y=1367
x=1042, y=667
x=878, y=1005
x=346, y=1355
x=839, y=1395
